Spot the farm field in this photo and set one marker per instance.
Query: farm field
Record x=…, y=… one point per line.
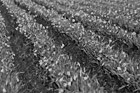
x=69, y=46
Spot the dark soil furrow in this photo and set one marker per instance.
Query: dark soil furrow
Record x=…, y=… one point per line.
x=110, y=81
x=112, y=21
x=127, y=47
x=25, y=62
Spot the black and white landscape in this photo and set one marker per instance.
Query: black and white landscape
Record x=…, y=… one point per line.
x=69, y=46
